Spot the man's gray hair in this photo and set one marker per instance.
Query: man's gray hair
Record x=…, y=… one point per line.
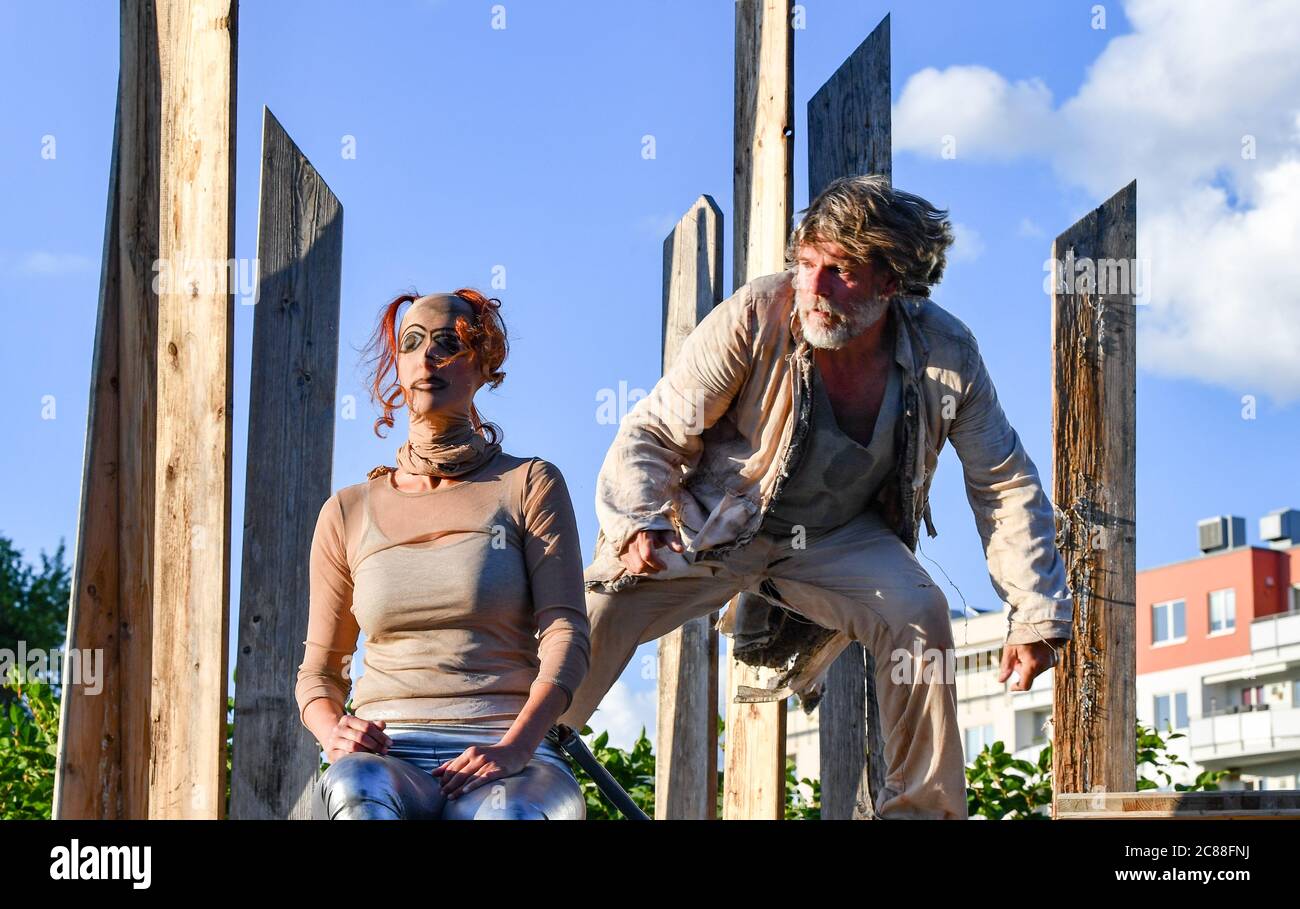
x=874, y=222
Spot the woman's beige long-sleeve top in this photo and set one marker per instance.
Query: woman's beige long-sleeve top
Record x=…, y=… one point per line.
x=451, y=587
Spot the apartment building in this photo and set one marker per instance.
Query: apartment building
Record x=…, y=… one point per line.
x=1218, y=660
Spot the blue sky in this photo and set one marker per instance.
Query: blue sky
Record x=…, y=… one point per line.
x=521, y=149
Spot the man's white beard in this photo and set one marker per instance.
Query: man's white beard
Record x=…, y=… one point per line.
x=849, y=325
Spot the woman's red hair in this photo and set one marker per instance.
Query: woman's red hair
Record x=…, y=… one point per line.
x=483, y=337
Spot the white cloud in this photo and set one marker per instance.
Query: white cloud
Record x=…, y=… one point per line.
x=623, y=713
x=1174, y=104
x=967, y=245
x=971, y=111
x=1224, y=300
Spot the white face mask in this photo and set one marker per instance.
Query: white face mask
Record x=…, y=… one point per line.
x=846, y=324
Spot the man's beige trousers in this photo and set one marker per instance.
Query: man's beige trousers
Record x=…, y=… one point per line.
x=858, y=578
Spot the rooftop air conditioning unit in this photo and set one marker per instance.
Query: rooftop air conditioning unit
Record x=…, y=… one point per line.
x=1281, y=528
x=1223, y=532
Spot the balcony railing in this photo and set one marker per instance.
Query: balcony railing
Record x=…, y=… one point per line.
x=1250, y=734
x=1273, y=632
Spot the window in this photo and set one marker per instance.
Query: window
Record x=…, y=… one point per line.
x=1294, y=605
x=1223, y=610
x=976, y=738
x=1176, y=700
x=1253, y=695
x=980, y=661
x=1169, y=621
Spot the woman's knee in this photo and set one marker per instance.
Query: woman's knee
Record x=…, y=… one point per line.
x=538, y=793
x=368, y=785
x=356, y=780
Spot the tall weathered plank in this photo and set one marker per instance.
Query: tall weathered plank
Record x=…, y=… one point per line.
x=848, y=135
x=290, y=456
x=764, y=200
x=686, y=770
x=196, y=44
x=102, y=768
x=1094, y=410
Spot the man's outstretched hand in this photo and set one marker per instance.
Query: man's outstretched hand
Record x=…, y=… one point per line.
x=1027, y=661
x=639, y=556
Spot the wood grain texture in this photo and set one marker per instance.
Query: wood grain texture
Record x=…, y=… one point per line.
x=1094, y=414
x=763, y=194
x=290, y=462
x=849, y=135
x=1245, y=805
x=197, y=42
x=849, y=127
x=102, y=767
x=686, y=771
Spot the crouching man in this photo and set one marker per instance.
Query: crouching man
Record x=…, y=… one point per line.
x=788, y=453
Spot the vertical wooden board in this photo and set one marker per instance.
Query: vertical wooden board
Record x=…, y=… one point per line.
x=849, y=130
x=103, y=763
x=763, y=189
x=88, y=768
x=764, y=199
x=687, y=736
x=138, y=228
x=754, y=780
x=849, y=135
x=1094, y=412
x=290, y=458
x=197, y=44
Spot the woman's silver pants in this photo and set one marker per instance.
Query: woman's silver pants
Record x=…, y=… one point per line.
x=399, y=785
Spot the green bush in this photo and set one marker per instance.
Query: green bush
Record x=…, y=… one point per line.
x=635, y=771
x=29, y=727
x=1000, y=787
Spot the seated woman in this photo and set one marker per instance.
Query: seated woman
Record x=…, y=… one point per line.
x=463, y=567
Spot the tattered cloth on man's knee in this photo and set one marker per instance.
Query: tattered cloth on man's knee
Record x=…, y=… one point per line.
x=767, y=635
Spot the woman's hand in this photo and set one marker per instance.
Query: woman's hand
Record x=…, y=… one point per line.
x=479, y=764
x=352, y=734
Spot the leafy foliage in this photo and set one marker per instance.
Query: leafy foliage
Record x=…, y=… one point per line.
x=1000, y=787
x=633, y=770
x=33, y=605
x=798, y=806
x=29, y=729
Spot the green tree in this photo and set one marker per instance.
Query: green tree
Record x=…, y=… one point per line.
x=33, y=604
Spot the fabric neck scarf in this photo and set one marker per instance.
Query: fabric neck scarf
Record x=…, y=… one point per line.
x=444, y=451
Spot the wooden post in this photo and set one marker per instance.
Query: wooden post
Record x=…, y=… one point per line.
x=290, y=459
x=102, y=768
x=686, y=771
x=848, y=135
x=196, y=44
x=764, y=200
x=1093, y=434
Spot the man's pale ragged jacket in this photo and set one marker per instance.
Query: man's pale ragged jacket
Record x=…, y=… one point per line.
x=708, y=449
